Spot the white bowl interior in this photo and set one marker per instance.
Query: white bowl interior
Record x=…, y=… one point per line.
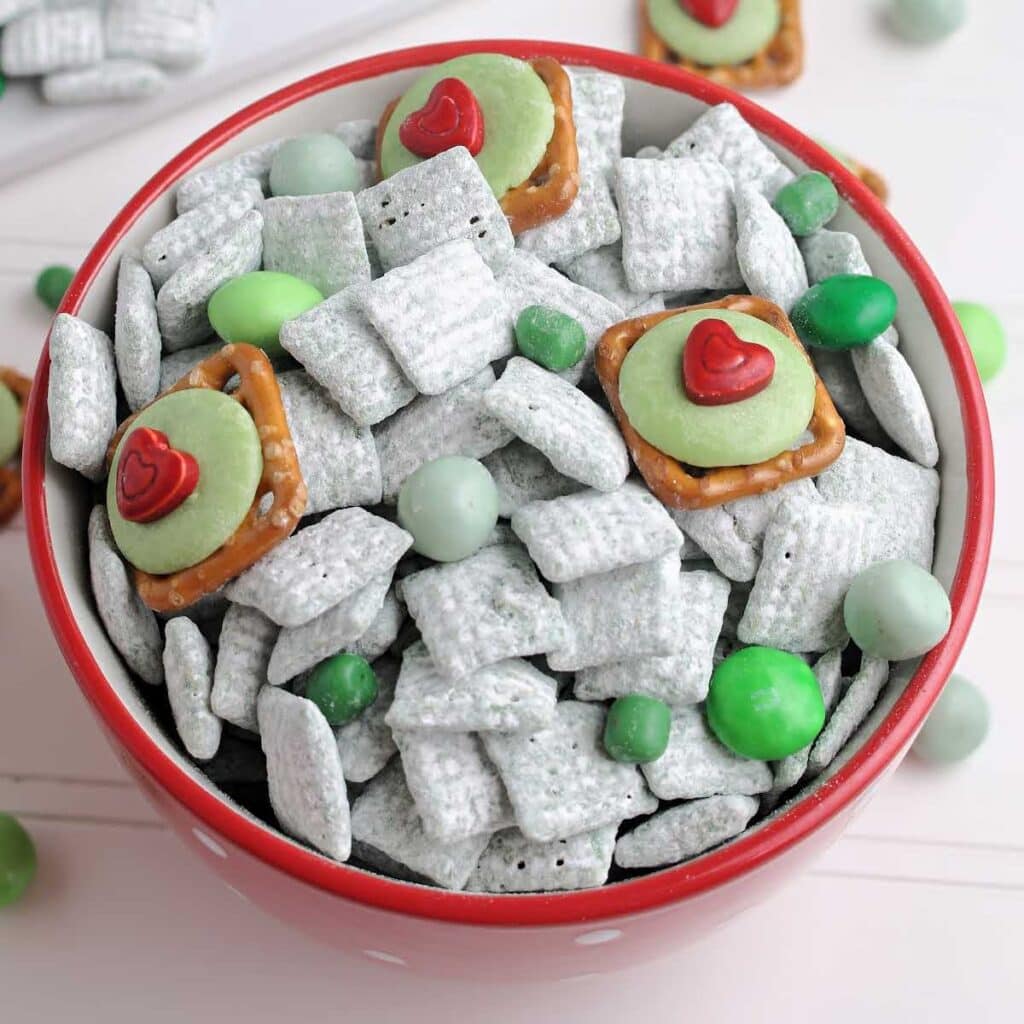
x=654, y=115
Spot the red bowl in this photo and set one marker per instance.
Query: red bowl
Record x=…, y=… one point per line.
x=532, y=936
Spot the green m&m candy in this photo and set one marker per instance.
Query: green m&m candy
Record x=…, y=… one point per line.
x=956, y=726
x=637, y=728
x=17, y=860
x=342, y=687
x=313, y=165
x=10, y=424
x=52, y=284
x=764, y=703
x=252, y=308
x=844, y=311
x=985, y=335
x=808, y=203
x=550, y=338
x=927, y=21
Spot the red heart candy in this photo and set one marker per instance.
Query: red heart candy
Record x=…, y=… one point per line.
x=713, y=13
x=720, y=368
x=153, y=478
x=450, y=117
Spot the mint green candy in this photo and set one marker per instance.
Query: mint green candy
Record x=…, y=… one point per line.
x=637, y=729
x=450, y=506
x=222, y=437
x=550, y=338
x=10, y=425
x=896, y=610
x=985, y=335
x=752, y=27
x=52, y=284
x=17, y=860
x=342, y=687
x=956, y=726
x=808, y=203
x=927, y=21
x=312, y=165
x=252, y=308
x=844, y=311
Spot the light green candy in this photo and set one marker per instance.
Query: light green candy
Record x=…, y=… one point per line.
x=985, y=335
x=956, y=726
x=252, y=308
x=312, y=165
x=10, y=425
x=927, y=21
x=738, y=434
x=745, y=34
x=221, y=435
x=519, y=117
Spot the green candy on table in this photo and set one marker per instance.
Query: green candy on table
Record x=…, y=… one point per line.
x=764, y=703
x=636, y=730
x=10, y=425
x=450, y=506
x=550, y=338
x=985, y=335
x=738, y=434
x=313, y=165
x=519, y=117
x=896, y=610
x=956, y=726
x=808, y=203
x=744, y=35
x=342, y=687
x=52, y=285
x=844, y=311
x=927, y=21
x=252, y=307
x=222, y=437
x=17, y=860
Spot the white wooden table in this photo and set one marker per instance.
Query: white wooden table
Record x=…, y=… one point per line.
x=917, y=914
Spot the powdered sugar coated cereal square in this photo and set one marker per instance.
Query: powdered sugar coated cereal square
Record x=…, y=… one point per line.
x=601, y=271
x=175, y=33
x=43, y=41
x=225, y=174
x=366, y=744
x=137, y=343
x=108, y=81
x=769, y=258
x=188, y=672
x=382, y=631
x=246, y=639
x=523, y=475
x=598, y=103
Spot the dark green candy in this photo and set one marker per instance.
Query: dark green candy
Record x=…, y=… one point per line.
x=342, y=687
x=764, y=703
x=550, y=338
x=808, y=203
x=52, y=283
x=844, y=311
x=636, y=729
x=17, y=860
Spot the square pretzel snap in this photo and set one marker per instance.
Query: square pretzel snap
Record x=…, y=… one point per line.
x=680, y=486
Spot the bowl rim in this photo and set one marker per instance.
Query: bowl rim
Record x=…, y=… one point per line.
x=648, y=892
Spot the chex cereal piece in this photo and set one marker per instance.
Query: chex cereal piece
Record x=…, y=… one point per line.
x=382, y=632
x=246, y=639
x=338, y=459
x=335, y=630
x=681, y=677
x=513, y=863
x=896, y=398
x=508, y=696
x=137, y=342
x=598, y=104
x=590, y=222
x=769, y=258
x=696, y=765
x=45, y=41
x=181, y=302
x=835, y=368
x=207, y=181
x=850, y=712
x=560, y=780
x=366, y=744
x=130, y=625
x=623, y=614
x=117, y=79
x=188, y=672
x=439, y=200
x=904, y=496
x=523, y=475
x=527, y=281
x=722, y=133
x=176, y=365
x=342, y=351
x=442, y=316
x=682, y=832
x=812, y=552
x=678, y=225
x=484, y=609
x=602, y=271
x=176, y=33
x=579, y=438
x=320, y=566
x=82, y=395
x=454, y=423
x=194, y=232
x=316, y=238
x=595, y=532
x=307, y=788
x=360, y=136
x=458, y=792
